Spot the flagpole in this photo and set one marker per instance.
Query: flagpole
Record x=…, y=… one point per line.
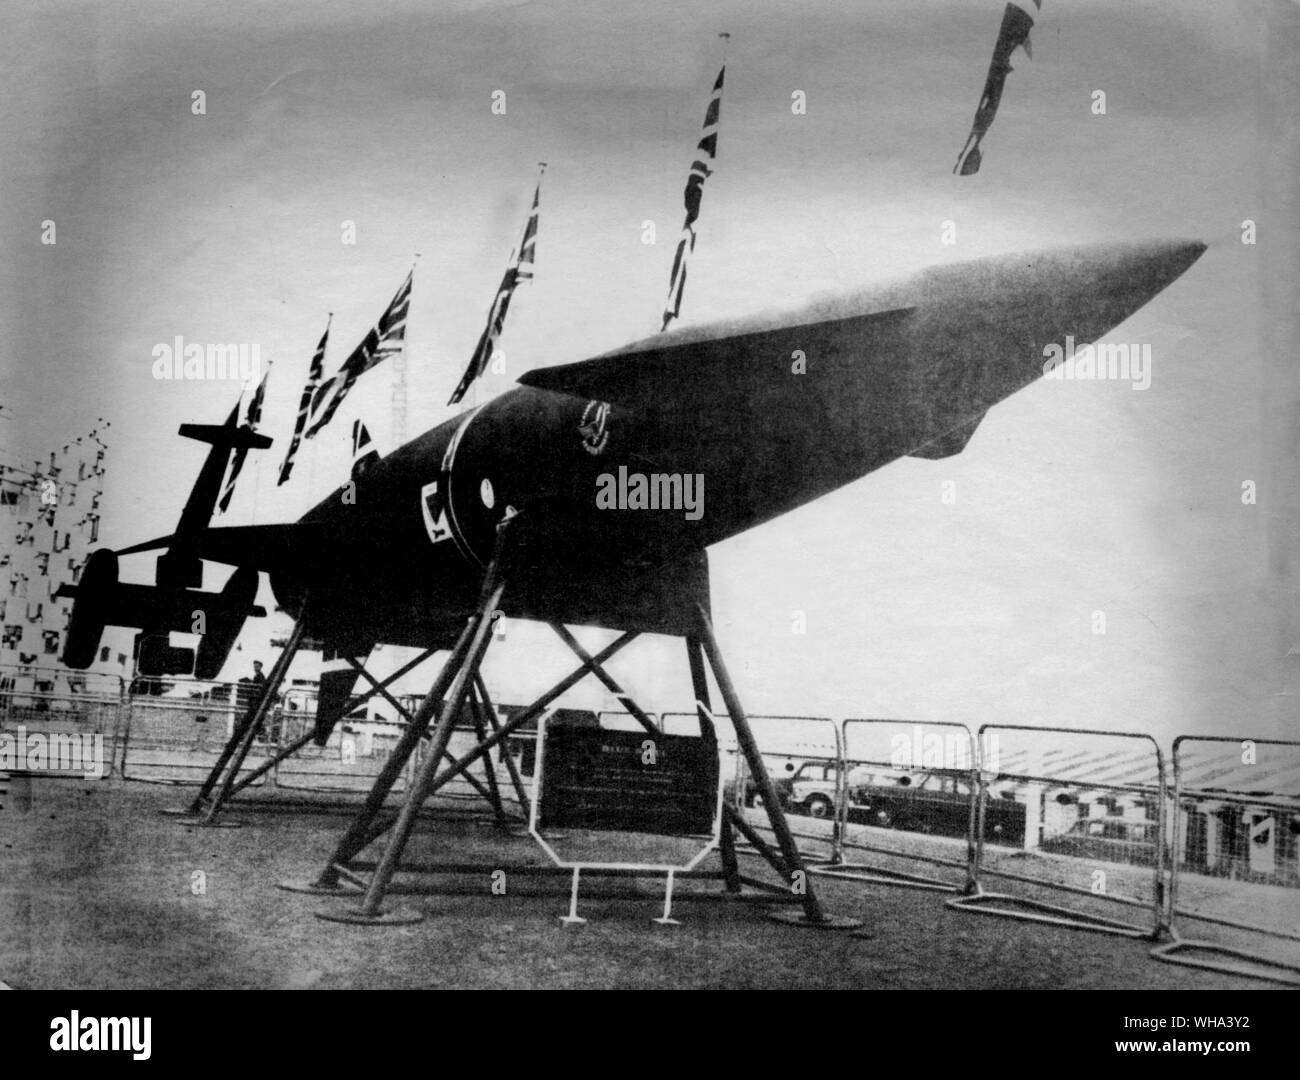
x=251, y=420
x=516, y=255
x=257, y=472
x=468, y=385
x=397, y=397
x=701, y=169
x=311, y=465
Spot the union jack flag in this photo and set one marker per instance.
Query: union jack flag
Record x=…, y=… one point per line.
x=386, y=338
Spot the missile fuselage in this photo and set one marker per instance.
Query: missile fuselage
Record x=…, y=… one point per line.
x=761, y=416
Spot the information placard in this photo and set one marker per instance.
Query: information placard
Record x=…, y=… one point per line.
x=630, y=781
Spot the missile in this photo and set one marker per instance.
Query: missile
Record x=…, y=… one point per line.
x=744, y=420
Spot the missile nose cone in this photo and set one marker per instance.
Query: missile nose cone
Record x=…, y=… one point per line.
x=1152, y=266
x=1001, y=319
x=1097, y=288
x=1132, y=275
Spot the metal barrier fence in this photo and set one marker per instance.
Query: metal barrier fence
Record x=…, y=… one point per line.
x=1053, y=810
x=1094, y=806
x=60, y=722
x=175, y=729
x=1235, y=875
x=350, y=760
x=909, y=795
x=802, y=755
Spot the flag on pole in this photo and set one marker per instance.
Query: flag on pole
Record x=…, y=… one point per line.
x=1013, y=34
x=520, y=269
x=701, y=170
x=251, y=419
x=304, y=404
x=386, y=338
x=364, y=453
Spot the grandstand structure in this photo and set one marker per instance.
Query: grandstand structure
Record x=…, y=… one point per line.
x=50, y=513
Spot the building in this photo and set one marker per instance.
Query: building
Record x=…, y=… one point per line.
x=50, y=512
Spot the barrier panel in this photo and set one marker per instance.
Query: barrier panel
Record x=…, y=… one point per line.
x=350, y=760
x=910, y=796
x=1234, y=893
x=177, y=727
x=60, y=723
x=1094, y=828
x=521, y=747
x=802, y=755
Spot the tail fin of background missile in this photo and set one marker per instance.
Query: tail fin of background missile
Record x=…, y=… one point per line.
x=223, y=435
x=262, y=547
x=179, y=566
x=102, y=600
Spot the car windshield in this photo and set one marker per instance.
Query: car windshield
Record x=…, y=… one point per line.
x=949, y=785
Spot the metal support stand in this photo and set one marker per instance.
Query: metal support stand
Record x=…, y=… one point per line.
x=704, y=711
x=493, y=792
x=269, y=693
x=366, y=828
x=480, y=638
x=516, y=781
x=358, y=834
x=666, y=919
x=460, y=681
x=613, y=687
x=573, y=917
x=201, y=804
x=241, y=741
x=799, y=880
x=459, y=671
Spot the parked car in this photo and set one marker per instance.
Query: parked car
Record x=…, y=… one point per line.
x=1108, y=840
x=819, y=777
x=936, y=802
x=811, y=789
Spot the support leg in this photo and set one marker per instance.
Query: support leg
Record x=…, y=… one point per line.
x=227, y=752
x=756, y=840
x=461, y=667
x=271, y=763
x=370, y=905
x=490, y=773
x=516, y=780
x=205, y=791
x=286, y=752
x=459, y=765
x=704, y=710
x=382, y=690
x=666, y=919
x=813, y=914
x=573, y=916
x=355, y=839
x=234, y=758
x=366, y=828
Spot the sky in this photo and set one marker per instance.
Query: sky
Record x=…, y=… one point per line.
x=1072, y=499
